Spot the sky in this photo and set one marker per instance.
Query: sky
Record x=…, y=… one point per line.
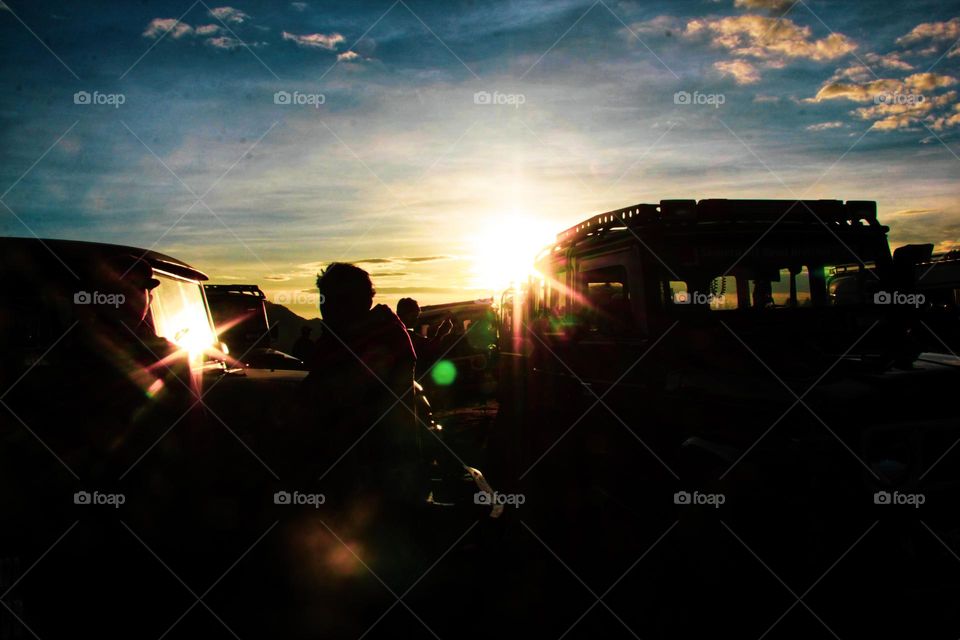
x=440, y=144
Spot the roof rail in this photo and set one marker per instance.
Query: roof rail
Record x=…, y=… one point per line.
x=236, y=288
x=850, y=214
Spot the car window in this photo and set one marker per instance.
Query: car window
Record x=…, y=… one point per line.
x=180, y=315
x=606, y=300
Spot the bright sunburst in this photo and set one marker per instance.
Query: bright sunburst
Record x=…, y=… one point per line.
x=504, y=249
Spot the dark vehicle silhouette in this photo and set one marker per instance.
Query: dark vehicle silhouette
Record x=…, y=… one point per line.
x=240, y=315
x=471, y=347
x=687, y=347
x=240, y=416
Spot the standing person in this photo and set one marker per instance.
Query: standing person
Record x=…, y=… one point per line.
x=303, y=347
x=360, y=389
x=427, y=348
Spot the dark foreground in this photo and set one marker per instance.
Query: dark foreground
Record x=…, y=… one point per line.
x=223, y=560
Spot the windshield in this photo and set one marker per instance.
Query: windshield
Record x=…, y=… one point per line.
x=180, y=315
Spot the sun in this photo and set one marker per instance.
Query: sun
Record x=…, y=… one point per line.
x=504, y=249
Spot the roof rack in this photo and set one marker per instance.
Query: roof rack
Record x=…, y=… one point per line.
x=244, y=289
x=851, y=214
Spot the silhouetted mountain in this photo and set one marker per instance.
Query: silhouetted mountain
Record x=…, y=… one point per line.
x=289, y=324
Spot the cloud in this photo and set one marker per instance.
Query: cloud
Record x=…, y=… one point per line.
x=765, y=99
x=660, y=25
x=158, y=27
x=824, y=126
x=929, y=81
x=932, y=31
x=765, y=38
x=280, y=277
x=207, y=29
x=888, y=61
x=348, y=56
x=913, y=212
x=742, y=71
x=897, y=104
x=773, y=6
x=225, y=42
x=870, y=90
x=947, y=120
x=315, y=40
x=229, y=15
x=891, y=116
x=401, y=260
x=299, y=6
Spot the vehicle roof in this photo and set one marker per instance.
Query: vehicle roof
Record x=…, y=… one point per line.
x=75, y=255
x=235, y=290
x=724, y=213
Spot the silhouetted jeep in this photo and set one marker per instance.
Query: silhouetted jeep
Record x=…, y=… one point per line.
x=60, y=369
x=243, y=324
x=666, y=346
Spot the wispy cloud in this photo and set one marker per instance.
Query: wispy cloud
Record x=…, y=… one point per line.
x=229, y=15
x=932, y=31
x=742, y=71
x=315, y=40
x=228, y=43
x=159, y=26
x=762, y=37
x=773, y=6
x=825, y=126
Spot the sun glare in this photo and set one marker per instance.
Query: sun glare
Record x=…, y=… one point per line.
x=504, y=250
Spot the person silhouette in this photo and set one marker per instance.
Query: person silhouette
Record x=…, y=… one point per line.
x=303, y=347
x=360, y=389
x=426, y=347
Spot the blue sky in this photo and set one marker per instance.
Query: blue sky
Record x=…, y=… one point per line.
x=404, y=167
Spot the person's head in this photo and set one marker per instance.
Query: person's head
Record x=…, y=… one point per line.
x=129, y=279
x=305, y=331
x=408, y=311
x=346, y=293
